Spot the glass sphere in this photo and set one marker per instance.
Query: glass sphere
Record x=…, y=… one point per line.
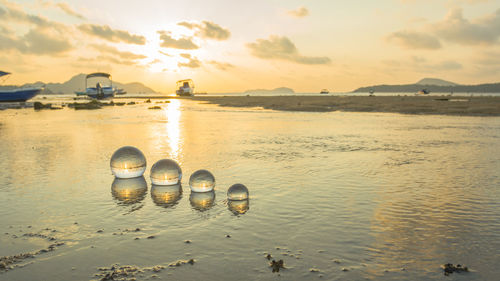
x=238, y=207
x=237, y=192
x=165, y=172
x=166, y=195
x=128, y=162
x=202, y=181
x=129, y=191
x=202, y=201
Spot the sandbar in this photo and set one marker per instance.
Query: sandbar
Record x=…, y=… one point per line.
x=440, y=105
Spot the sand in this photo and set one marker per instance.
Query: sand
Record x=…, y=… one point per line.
x=464, y=106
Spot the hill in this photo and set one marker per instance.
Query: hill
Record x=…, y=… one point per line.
x=435, y=82
x=77, y=83
x=432, y=85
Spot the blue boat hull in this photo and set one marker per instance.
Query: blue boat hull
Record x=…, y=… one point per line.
x=18, y=95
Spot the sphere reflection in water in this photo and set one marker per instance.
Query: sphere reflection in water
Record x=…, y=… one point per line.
x=202, y=181
x=166, y=195
x=238, y=207
x=166, y=172
x=237, y=192
x=128, y=162
x=129, y=191
x=202, y=201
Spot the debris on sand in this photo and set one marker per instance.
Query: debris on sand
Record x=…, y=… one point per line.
x=182, y=262
x=449, y=268
x=155, y=107
x=93, y=104
x=276, y=265
x=38, y=106
x=314, y=270
x=10, y=262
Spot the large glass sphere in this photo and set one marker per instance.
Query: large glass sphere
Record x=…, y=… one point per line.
x=129, y=191
x=165, y=172
x=166, y=195
x=238, y=207
x=202, y=201
x=128, y=162
x=202, y=181
x=237, y=192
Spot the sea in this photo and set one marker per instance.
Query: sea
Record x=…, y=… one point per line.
x=335, y=196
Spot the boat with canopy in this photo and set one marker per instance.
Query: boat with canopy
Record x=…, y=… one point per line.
x=185, y=87
x=100, y=91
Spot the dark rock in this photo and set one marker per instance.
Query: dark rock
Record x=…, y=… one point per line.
x=449, y=268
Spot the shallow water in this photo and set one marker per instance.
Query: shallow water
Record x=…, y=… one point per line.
x=385, y=196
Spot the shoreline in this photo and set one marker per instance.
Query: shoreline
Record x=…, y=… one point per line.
x=433, y=105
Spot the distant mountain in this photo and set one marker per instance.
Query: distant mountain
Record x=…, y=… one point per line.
x=435, y=82
x=282, y=90
x=77, y=83
x=432, y=85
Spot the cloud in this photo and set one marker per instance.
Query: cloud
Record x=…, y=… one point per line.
x=181, y=43
x=414, y=40
x=455, y=28
x=103, y=48
x=208, y=30
x=165, y=54
x=113, y=35
x=221, y=65
x=300, y=12
x=64, y=7
x=37, y=41
x=192, y=63
x=107, y=58
x=282, y=48
x=13, y=13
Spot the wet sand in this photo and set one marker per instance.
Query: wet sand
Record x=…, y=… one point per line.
x=464, y=106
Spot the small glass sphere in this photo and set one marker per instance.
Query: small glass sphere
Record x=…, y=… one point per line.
x=238, y=207
x=166, y=195
x=129, y=191
x=202, y=181
x=237, y=192
x=165, y=172
x=128, y=162
x=202, y=201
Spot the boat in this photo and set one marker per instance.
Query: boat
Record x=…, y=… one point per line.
x=185, y=87
x=100, y=91
x=81, y=93
x=324, y=91
x=371, y=92
x=120, y=92
x=423, y=92
x=17, y=94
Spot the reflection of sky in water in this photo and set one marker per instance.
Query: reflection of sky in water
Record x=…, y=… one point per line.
x=375, y=191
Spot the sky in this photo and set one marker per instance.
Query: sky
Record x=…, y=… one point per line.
x=233, y=45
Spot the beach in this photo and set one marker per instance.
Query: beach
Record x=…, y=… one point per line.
x=445, y=105
x=334, y=195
